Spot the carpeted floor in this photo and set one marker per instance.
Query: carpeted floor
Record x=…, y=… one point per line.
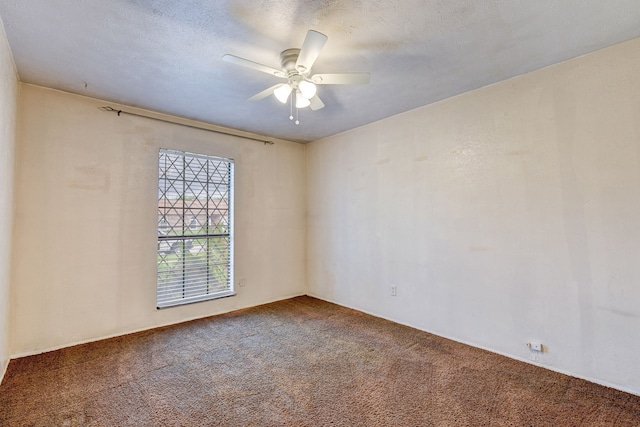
x=299, y=362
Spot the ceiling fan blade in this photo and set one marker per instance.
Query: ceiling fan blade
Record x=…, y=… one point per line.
x=254, y=65
x=316, y=103
x=341, y=79
x=264, y=93
x=313, y=43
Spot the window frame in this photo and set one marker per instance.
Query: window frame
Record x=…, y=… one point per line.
x=180, y=273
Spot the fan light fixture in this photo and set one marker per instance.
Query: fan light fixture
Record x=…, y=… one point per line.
x=282, y=93
x=304, y=91
x=301, y=100
x=307, y=89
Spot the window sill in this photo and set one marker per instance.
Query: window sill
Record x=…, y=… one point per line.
x=186, y=301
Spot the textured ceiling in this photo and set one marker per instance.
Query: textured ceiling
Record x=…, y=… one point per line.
x=165, y=55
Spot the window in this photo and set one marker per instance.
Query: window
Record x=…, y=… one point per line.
x=195, y=228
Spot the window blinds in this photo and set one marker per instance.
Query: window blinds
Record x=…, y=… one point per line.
x=195, y=229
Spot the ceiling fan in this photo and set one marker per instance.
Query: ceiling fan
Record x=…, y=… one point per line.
x=296, y=69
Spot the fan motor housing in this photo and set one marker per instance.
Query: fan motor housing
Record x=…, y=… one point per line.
x=288, y=59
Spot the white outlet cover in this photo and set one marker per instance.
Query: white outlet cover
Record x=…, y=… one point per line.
x=535, y=345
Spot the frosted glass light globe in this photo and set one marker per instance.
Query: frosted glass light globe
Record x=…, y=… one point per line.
x=301, y=101
x=282, y=93
x=307, y=89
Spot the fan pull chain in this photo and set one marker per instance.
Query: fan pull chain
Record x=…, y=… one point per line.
x=291, y=107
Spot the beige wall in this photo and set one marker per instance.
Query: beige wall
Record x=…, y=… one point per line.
x=503, y=215
x=86, y=203
x=8, y=108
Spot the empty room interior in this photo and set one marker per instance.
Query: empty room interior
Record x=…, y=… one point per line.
x=320, y=213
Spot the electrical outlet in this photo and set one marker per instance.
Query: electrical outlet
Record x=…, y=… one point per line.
x=535, y=346
x=394, y=290
x=241, y=282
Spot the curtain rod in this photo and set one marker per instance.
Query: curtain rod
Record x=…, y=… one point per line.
x=113, y=110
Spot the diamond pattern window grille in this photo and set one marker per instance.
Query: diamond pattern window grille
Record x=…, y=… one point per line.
x=195, y=228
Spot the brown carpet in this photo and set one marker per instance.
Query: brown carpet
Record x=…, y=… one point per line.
x=299, y=362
